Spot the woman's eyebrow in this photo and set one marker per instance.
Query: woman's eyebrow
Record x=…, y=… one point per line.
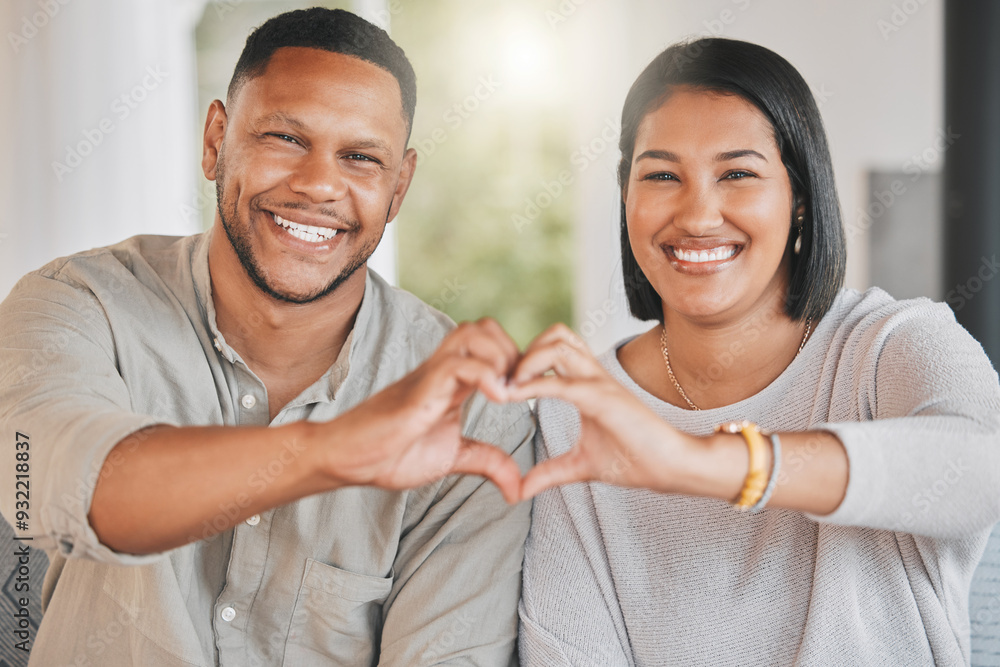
x=721, y=157
x=743, y=152
x=658, y=155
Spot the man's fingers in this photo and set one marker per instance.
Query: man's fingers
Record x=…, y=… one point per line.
x=502, y=338
x=485, y=340
x=474, y=374
x=477, y=458
x=565, y=469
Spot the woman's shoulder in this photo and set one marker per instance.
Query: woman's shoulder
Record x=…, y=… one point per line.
x=868, y=319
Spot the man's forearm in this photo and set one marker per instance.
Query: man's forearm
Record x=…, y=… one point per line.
x=164, y=487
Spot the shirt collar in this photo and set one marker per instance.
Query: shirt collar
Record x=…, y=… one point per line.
x=327, y=386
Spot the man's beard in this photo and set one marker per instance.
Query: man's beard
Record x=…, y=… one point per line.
x=239, y=238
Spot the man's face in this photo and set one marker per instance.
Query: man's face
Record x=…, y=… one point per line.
x=310, y=163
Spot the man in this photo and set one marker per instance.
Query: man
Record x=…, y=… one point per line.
x=225, y=465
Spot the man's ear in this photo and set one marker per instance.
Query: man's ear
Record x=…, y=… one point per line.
x=403, y=184
x=215, y=132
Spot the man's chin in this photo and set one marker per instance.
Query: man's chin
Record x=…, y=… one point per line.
x=297, y=295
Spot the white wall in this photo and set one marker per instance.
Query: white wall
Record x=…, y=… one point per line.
x=104, y=88
x=876, y=71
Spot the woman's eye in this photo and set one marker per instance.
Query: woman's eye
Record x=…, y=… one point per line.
x=739, y=174
x=660, y=176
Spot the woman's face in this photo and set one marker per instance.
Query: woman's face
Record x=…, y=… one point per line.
x=709, y=206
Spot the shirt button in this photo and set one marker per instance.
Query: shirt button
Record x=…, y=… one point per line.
x=217, y=344
x=228, y=614
x=254, y=520
x=248, y=401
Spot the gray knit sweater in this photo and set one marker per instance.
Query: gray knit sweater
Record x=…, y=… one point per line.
x=617, y=576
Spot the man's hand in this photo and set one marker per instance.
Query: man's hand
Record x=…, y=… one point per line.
x=409, y=434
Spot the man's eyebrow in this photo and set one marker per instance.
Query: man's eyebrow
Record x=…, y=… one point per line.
x=377, y=144
x=743, y=152
x=280, y=118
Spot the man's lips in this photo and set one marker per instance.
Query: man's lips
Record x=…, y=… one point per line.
x=304, y=232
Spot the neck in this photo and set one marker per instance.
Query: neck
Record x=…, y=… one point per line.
x=287, y=345
x=718, y=363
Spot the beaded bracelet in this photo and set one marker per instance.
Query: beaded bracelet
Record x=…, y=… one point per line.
x=775, y=469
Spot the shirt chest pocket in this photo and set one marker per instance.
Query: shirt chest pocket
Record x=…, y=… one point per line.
x=337, y=617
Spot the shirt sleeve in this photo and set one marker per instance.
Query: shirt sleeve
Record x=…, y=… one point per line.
x=929, y=461
x=61, y=392
x=457, y=574
x=569, y=610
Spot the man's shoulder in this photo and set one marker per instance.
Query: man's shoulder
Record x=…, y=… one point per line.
x=404, y=311
x=147, y=258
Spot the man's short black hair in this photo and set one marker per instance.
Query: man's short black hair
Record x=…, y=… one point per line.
x=333, y=30
x=771, y=84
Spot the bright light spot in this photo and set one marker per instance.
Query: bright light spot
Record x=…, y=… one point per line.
x=527, y=61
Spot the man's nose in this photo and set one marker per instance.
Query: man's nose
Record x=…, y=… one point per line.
x=320, y=177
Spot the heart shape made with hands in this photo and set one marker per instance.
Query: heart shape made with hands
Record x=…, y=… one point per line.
x=615, y=426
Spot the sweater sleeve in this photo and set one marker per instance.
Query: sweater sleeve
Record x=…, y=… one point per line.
x=569, y=609
x=925, y=455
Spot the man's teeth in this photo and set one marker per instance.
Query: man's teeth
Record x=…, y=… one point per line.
x=710, y=255
x=305, y=232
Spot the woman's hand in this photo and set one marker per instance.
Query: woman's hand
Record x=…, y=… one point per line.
x=622, y=442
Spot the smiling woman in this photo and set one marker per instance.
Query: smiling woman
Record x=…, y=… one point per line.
x=819, y=412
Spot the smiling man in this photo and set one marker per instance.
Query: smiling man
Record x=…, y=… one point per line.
x=242, y=443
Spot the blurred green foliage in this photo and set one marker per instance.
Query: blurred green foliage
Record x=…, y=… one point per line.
x=480, y=234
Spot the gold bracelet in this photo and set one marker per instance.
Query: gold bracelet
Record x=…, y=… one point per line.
x=756, y=480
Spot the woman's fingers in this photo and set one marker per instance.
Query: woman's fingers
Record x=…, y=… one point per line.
x=560, y=356
x=585, y=394
x=565, y=469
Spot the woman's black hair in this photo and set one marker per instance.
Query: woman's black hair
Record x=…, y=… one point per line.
x=771, y=84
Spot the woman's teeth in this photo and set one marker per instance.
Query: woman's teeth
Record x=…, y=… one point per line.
x=710, y=255
x=305, y=232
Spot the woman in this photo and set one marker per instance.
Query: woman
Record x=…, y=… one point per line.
x=882, y=478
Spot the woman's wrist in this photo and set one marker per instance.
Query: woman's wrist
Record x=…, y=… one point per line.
x=713, y=466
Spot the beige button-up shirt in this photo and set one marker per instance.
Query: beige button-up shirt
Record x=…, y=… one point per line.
x=101, y=344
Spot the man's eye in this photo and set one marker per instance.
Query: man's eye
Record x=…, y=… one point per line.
x=361, y=157
x=284, y=137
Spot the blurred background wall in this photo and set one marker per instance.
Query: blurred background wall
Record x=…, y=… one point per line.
x=514, y=209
